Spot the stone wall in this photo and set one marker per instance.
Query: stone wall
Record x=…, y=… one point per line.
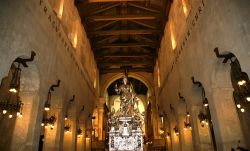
x=32, y=25
x=224, y=24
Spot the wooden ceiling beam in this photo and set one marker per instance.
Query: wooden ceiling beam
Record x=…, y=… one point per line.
x=123, y=17
x=127, y=45
x=144, y=8
x=102, y=9
x=144, y=38
x=105, y=39
x=124, y=32
x=104, y=1
x=147, y=50
x=143, y=24
x=105, y=25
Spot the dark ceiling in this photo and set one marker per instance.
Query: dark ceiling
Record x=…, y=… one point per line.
x=124, y=33
x=139, y=87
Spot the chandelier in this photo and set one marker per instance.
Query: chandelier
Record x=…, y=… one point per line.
x=49, y=122
x=67, y=125
x=12, y=104
x=79, y=132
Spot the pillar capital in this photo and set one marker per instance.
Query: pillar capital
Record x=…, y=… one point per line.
x=101, y=102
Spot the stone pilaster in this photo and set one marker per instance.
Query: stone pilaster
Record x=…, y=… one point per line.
x=53, y=136
x=81, y=144
x=100, y=110
x=225, y=119
x=155, y=117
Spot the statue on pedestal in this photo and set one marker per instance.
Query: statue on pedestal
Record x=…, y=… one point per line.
x=125, y=124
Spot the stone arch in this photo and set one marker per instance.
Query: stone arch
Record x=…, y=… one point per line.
x=53, y=137
x=23, y=133
x=133, y=75
x=241, y=95
x=222, y=106
x=202, y=127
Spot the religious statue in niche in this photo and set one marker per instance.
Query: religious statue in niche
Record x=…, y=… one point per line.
x=126, y=123
x=127, y=97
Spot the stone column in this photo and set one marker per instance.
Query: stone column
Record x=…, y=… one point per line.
x=185, y=136
x=225, y=118
x=100, y=123
x=175, y=139
x=81, y=140
x=88, y=134
x=84, y=136
x=53, y=136
x=100, y=111
x=155, y=117
x=23, y=137
x=69, y=142
x=201, y=135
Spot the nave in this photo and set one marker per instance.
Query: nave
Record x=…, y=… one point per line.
x=63, y=65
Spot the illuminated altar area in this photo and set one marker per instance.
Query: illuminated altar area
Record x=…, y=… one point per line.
x=126, y=122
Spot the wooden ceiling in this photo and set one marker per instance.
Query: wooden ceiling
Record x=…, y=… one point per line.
x=124, y=33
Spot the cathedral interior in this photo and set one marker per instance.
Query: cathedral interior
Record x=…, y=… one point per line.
x=124, y=75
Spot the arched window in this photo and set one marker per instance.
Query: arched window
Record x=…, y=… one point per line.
x=158, y=76
x=172, y=36
x=186, y=7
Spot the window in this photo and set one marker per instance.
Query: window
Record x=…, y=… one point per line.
x=158, y=76
x=185, y=7
x=172, y=35
x=61, y=9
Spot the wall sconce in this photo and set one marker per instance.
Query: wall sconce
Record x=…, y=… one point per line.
x=240, y=101
x=161, y=131
x=13, y=104
x=204, y=115
x=52, y=119
x=187, y=124
x=71, y=100
x=67, y=126
x=205, y=102
x=242, y=93
x=204, y=99
x=239, y=79
x=47, y=103
x=49, y=121
x=15, y=81
x=176, y=131
x=79, y=132
x=14, y=107
x=167, y=134
x=66, y=117
x=67, y=129
x=203, y=119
